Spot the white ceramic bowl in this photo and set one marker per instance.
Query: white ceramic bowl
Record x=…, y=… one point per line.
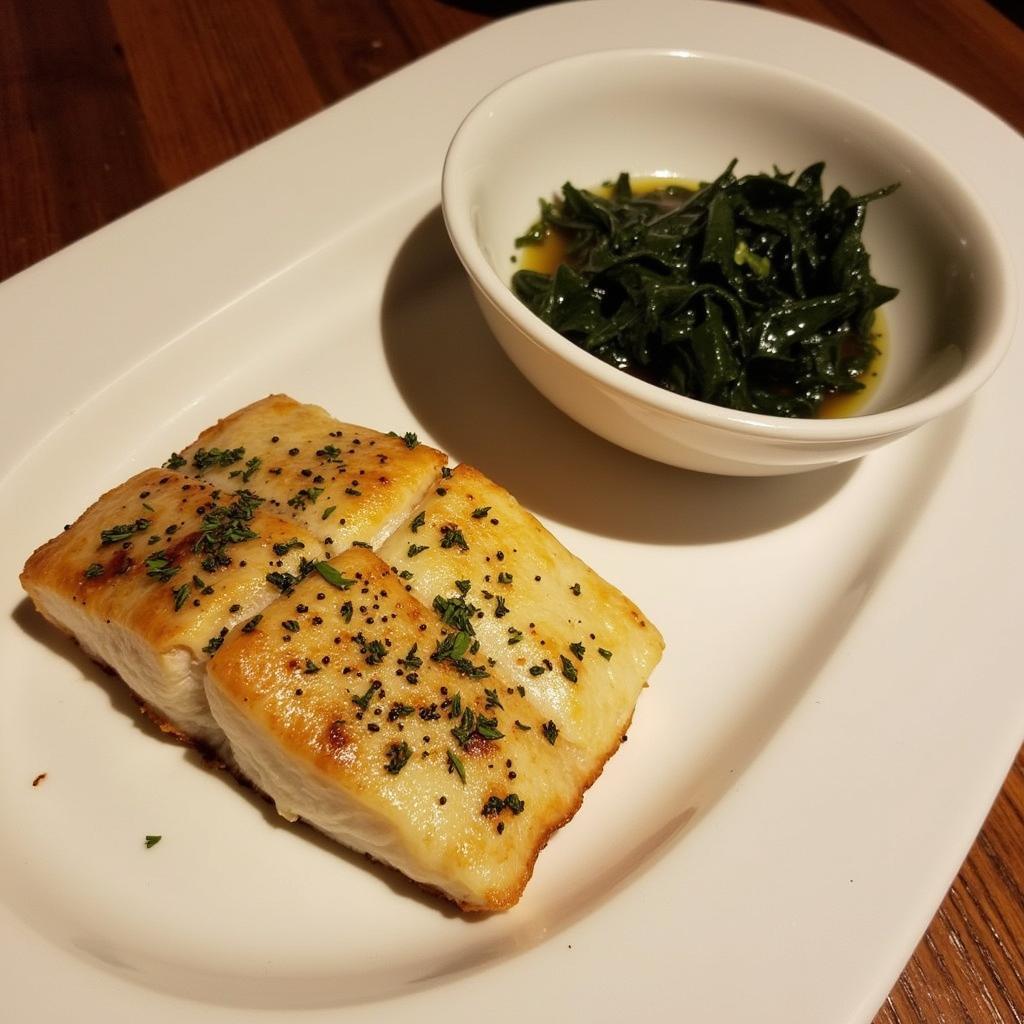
x=682, y=114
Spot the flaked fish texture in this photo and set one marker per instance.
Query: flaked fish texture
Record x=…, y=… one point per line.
x=441, y=704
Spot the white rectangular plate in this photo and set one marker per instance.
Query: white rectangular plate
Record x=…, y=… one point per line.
x=837, y=707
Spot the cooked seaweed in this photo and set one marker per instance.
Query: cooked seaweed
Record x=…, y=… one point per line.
x=751, y=292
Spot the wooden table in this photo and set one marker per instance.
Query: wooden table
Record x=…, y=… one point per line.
x=105, y=104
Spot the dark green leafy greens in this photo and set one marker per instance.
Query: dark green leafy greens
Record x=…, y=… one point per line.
x=752, y=293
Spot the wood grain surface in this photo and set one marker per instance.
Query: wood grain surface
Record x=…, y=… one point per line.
x=106, y=104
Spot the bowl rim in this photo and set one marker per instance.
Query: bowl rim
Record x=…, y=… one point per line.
x=458, y=220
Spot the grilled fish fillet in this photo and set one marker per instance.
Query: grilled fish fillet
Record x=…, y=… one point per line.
x=153, y=574
x=441, y=705
x=581, y=649
x=341, y=482
x=355, y=708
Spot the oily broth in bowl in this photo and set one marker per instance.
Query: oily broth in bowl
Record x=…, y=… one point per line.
x=751, y=292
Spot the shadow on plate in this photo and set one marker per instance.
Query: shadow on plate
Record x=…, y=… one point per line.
x=477, y=406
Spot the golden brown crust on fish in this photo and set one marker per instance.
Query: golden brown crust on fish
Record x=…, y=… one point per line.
x=343, y=483
x=442, y=705
x=394, y=737
x=580, y=647
x=152, y=576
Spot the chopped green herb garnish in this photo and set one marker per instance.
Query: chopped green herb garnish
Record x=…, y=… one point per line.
x=410, y=439
x=496, y=804
x=332, y=576
x=504, y=577
x=578, y=649
x=284, y=581
x=451, y=647
x=220, y=457
x=412, y=659
x=224, y=525
x=364, y=701
x=151, y=841
x=455, y=765
x=753, y=293
x=415, y=549
x=536, y=670
x=252, y=623
x=405, y=574
x=305, y=496
x=568, y=669
x=311, y=668
x=492, y=699
x=328, y=512
x=250, y=468
x=525, y=728
x=550, y=731
x=93, y=571
x=455, y=611
x=575, y=588
x=481, y=513
x=160, y=567
x=286, y=546
x=418, y=521
x=290, y=625
x=398, y=756
x=181, y=595
x=329, y=453
x=346, y=611
x=606, y=654
x=451, y=537
x=373, y=651
x=465, y=729
x=119, y=534
x=514, y=635
x=446, y=472
x=500, y=608
x=213, y=645
x=488, y=728
x=463, y=586
x=175, y=461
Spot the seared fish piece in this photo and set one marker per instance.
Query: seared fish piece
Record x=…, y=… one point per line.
x=579, y=648
x=356, y=708
x=341, y=482
x=152, y=576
